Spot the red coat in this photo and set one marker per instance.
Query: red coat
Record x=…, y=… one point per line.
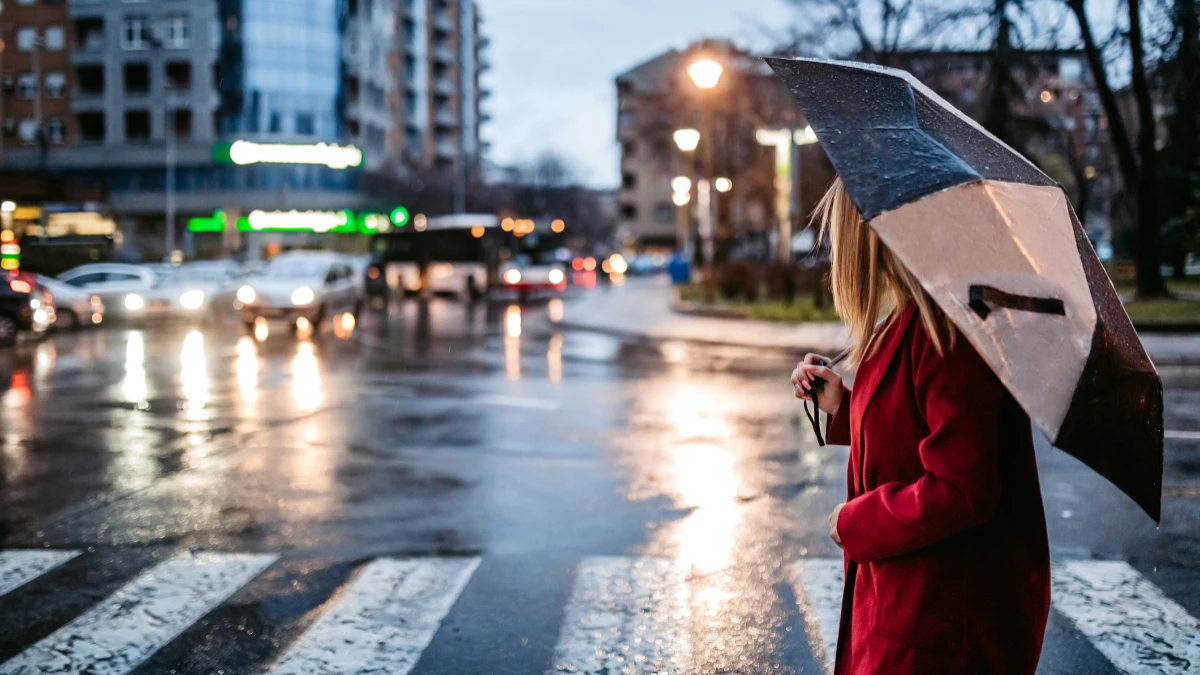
x=947, y=564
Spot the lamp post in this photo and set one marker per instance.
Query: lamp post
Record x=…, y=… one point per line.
x=706, y=74
x=681, y=187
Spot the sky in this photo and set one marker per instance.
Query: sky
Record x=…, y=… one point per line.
x=555, y=62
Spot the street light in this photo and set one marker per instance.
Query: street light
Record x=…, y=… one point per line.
x=681, y=184
x=687, y=139
x=723, y=184
x=705, y=73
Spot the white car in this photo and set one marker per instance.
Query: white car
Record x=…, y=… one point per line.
x=200, y=288
x=526, y=277
x=74, y=307
x=126, y=290
x=301, y=288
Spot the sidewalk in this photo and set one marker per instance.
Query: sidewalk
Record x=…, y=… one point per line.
x=641, y=309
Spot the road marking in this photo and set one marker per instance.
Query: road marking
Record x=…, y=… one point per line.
x=818, y=584
x=1179, y=435
x=628, y=616
x=515, y=402
x=121, y=632
x=1127, y=618
x=18, y=568
x=383, y=622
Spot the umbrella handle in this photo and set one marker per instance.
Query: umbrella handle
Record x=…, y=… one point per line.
x=814, y=391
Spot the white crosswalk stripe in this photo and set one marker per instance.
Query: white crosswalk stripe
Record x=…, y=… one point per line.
x=124, y=630
x=625, y=615
x=818, y=584
x=1127, y=618
x=383, y=621
x=18, y=568
x=628, y=616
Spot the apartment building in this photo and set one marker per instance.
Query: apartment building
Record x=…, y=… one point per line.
x=155, y=88
x=35, y=78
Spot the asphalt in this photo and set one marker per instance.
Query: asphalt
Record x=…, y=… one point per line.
x=485, y=432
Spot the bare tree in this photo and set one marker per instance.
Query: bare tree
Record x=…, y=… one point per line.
x=865, y=30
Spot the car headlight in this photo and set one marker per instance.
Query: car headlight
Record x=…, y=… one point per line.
x=192, y=299
x=302, y=296
x=40, y=316
x=35, y=303
x=246, y=295
x=512, y=276
x=556, y=276
x=134, y=302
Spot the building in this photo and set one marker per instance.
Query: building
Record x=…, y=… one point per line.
x=163, y=91
x=35, y=78
x=657, y=97
x=1060, y=121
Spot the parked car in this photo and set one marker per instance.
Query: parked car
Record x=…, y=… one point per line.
x=74, y=307
x=301, y=288
x=126, y=290
x=24, y=307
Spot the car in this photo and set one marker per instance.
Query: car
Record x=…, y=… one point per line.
x=301, y=288
x=24, y=306
x=200, y=289
x=525, y=276
x=129, y=291
x=74, y=307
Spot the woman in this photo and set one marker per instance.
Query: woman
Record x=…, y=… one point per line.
x=947, y=564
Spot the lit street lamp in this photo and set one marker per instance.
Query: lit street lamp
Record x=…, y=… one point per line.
x=687, y=139
x=705, y=73
x=723, y=184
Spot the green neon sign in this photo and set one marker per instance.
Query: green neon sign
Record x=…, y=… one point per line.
x=321, y=222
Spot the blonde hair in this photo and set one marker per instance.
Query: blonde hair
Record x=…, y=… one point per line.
x=868, y=280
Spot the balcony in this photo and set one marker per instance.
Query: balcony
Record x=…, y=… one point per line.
x=443, y=54
x=443, y=22
x=446, y=118
x=446, y=148
x=444, y=86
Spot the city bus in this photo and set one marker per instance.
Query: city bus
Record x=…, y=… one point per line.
x=456, y=255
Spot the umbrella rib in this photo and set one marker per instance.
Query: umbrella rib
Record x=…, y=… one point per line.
x=1008, y=222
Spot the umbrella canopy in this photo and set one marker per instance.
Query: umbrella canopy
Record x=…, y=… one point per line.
x=997, y=245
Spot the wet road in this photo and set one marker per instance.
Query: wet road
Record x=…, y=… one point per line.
x=462, y=489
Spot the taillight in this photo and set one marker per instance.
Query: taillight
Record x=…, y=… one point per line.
x=372, y=273
x=20, y=286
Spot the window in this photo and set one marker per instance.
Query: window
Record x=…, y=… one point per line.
x=27, y=131
x=1070, y=70
x=27, y=86
x=89, y=34
x=629, y=148
x=135, y=33
x=181, y=122
x=90, y=79
x=137, y=78
x=56, y=84
x=85, y=280
x=177, y=32
x=91, y=127
x=664, y=213
x=629, y=180
x=56, y=38
x=137, y=125
x=26, y=39
x=626, y=119
x=26, y=2
x=56, y=131
x=179, y=75
x=629, y=211
x=304, y=124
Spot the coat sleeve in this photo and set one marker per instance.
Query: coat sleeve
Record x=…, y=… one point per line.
x=960, y=398
x=838, y=432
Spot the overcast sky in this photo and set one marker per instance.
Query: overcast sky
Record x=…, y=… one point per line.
x=554, y=64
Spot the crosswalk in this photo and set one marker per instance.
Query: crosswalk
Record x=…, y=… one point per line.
x=626, y=615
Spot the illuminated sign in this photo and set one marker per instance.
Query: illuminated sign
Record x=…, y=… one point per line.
x=244, y=153
x=320, y=222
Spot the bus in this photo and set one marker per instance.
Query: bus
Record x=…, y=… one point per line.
x=458, y=255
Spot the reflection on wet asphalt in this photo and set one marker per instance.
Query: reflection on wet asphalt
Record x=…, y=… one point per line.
x=613, y=493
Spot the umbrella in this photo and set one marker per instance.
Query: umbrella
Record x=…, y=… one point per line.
x=997, y=245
